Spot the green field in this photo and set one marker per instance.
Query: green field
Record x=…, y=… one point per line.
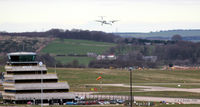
x=71, y=46
x=76, y=47
x=78, y=77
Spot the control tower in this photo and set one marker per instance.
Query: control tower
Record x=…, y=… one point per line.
x=27, y=81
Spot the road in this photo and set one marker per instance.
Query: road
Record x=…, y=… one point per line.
x=140, y=98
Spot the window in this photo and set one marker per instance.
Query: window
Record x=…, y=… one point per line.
x=23, y=58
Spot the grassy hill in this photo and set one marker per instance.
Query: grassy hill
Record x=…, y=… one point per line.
x=187, y=34
x=68, y=47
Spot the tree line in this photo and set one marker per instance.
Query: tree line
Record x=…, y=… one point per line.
x=84, y=35
x=70, y=34
x=180, y=53
x=129, y=51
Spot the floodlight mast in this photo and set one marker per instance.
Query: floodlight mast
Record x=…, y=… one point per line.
x=131, y=94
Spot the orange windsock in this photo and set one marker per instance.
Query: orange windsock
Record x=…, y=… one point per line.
x=99, y=78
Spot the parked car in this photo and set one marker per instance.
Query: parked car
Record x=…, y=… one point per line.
x=71, y=103
x=106, y=102
x=100, y=102
x=77, y=98
x=93, y=102
x=81, y=103
x=120, y=101
x=113, y=102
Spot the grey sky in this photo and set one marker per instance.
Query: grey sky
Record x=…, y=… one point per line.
x=134, y=15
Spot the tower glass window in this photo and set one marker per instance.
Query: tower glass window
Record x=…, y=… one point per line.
x=22, y=58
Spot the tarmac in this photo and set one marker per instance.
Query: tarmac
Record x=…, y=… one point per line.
x=157, y=99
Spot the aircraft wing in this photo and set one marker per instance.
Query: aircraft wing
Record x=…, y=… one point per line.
x=108, y=23
x=99, y=21
x=113, y=21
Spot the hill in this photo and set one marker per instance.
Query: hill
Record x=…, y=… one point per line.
x=22, y=43
x=186, y=34
x=68, y=50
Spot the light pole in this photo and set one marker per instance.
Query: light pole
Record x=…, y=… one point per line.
x=41, y=64
x=131, y=94
x=41, y=88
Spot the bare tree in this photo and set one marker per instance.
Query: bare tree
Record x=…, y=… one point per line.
x=176, y=37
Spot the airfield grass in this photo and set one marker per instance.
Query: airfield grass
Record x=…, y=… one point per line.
x=79, y=78
x=173, y=94
x=119, y=76
x=172, y=85
x=86, y=88
x=177, y=105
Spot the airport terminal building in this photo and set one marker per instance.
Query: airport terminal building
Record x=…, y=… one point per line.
x=27, y=80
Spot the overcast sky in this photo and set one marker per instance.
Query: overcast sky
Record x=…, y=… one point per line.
x=134, y=15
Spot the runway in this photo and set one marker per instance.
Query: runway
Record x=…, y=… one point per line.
x=152, y=88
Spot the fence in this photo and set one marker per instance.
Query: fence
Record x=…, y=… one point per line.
x=103, y=97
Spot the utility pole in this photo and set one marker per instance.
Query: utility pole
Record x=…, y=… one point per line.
x=131, y=94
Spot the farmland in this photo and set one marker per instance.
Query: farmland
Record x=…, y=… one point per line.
x=70, y=46
x=75, y=47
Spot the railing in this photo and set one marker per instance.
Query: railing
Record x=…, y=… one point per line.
x=8, y=84
x=25, y=68
x=8, y=76
x=103, y=97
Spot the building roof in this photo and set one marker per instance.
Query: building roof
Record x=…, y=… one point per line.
x=32, y=96
x=25, y=68
x=21, y=53
x=31, y=77
x=36, y=86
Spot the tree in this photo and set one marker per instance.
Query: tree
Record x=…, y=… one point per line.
x=176, y=38
x=75, y=63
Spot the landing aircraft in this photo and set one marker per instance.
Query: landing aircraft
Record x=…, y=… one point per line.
x=103, y=21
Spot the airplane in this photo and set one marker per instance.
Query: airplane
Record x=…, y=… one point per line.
x=102, y=21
